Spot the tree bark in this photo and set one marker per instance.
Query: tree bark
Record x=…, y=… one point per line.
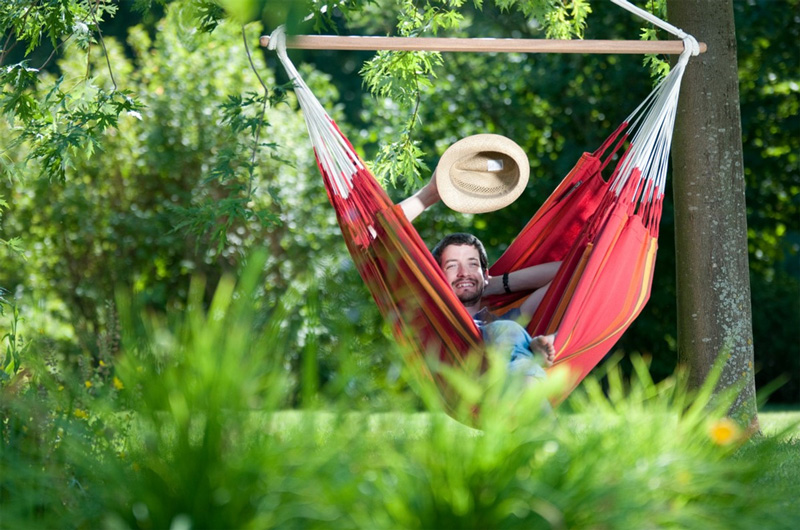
x=714, y=310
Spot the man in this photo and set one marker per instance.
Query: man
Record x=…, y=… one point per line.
x=463, y=259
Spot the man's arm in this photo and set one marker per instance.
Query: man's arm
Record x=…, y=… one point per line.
x=426, y=197
x=524, y=279
x=537, y=277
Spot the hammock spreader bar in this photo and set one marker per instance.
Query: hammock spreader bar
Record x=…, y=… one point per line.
x=445, y=44
x=481, y=45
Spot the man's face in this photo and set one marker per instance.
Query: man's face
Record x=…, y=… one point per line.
x=462, y=268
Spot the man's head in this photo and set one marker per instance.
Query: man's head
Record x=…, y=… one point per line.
x=464, y=262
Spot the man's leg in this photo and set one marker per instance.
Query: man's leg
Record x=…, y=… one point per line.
x=508, y=336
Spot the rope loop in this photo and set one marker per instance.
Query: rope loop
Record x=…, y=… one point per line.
x=277, y=39
x=690, y=43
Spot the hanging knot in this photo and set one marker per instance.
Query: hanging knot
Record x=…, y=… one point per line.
x=277, y=39
x=690, y=43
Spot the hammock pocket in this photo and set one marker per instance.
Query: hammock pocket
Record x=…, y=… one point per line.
x=603, y=231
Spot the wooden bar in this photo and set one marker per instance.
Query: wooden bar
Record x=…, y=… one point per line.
x=448, y=44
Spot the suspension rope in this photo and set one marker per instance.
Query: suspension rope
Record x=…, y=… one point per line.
x=335, y=157
x=688, y=40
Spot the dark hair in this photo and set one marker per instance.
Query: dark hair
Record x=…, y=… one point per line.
x=460, y=239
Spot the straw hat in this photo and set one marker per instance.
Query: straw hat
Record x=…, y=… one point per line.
x=482, y=173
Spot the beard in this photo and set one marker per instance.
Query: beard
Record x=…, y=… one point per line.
x=469, y=299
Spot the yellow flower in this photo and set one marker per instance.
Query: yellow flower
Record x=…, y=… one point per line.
x=88, y=384
x=724, y=431
x=117, y=383
x=79, y=413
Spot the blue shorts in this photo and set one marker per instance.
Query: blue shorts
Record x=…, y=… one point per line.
x=507, y=335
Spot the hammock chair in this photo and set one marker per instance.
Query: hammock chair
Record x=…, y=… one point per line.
x=604, y=233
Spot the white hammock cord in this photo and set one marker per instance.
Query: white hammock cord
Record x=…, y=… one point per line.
x=688, y=41
x=337, y=159
x=653, y=122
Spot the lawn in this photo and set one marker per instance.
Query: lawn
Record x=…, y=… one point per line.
x=775, y=420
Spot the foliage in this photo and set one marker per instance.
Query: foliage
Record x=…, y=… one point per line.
x=770, y=97
x=13, y=345
x=776, y=305
x=188, y=163
x=165, y=407
x=58, y=127
x=770, y=91
x=186, y=190
x=57, y=124
x=13, y=244
x=403, y=77
x=659, y=67
x=210, y=446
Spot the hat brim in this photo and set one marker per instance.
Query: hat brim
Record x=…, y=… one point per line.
x=482, y=173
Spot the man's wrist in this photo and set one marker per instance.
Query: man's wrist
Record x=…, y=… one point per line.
x=506, y=288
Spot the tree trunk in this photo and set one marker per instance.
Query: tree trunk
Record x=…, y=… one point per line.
x=714, y=314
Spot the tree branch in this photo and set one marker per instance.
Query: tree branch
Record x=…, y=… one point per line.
x=103, y=43
x=261, y=118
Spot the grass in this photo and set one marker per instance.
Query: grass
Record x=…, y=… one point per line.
x=190, y=430
x=785, y=419
x=616, y=464
x=782, y=465
x=784, y=423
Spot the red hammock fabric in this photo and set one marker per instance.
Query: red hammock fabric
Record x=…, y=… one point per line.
x=408, y=286
x=606, y=246
x=603, y=232
x=607, y=249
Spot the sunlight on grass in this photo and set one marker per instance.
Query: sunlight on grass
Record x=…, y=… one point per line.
x=775, y=422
